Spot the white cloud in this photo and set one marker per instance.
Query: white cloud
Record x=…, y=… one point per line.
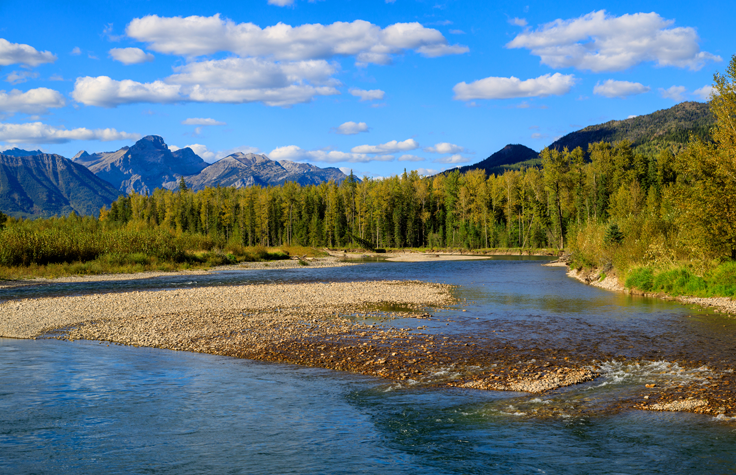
x=75, y=51
x=297, y=154
x=17, y=53
x=40, y=133
x=622, y=89
x=284, y=96
x=131, y=55
x=352, y=128
x=201, y=121
x=445, y=147
x=254, y=73
x=453, y=159
x=17, y=77
x=196, y=36
x=508, y=88
x=632, y=116
x=209, y=156
x=372, y=95
x=600, y=42
x=105, y=92
x=457, y=32
x=676, y=93
x=199, y=149
x=33, y=101
x=704, y=92
x=281, y=3
x=426, y=171
x=388, y=147
x=518, y=22
x=411, y=158
x=232, y=80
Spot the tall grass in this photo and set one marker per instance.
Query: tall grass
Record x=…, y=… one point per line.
x=74, y=245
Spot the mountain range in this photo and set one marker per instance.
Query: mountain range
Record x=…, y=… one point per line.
x=33, y=183
x=47, y=185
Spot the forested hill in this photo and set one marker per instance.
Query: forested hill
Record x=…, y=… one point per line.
x=647, y=132
x=511, y=156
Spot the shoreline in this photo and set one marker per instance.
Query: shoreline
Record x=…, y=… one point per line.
x=316, y=262
x=723, y=305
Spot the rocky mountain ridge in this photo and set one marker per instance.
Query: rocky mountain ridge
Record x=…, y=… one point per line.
x=46, y=185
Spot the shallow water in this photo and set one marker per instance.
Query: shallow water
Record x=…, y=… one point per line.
x=83, y=407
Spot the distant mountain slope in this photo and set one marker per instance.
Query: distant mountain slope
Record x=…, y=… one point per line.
x=508, y=157
x=645, y=132
x=147, y=165
x=18, y=152
x=241, y=169
x=47, y=185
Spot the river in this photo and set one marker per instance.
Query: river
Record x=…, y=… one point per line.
x=85, y=407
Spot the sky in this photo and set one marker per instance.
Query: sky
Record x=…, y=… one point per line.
x=372, y=86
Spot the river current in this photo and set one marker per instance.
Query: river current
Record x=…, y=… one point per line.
x=85, y=407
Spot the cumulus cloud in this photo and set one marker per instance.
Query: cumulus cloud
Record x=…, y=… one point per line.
x=508, y=88
x=352, y=128
x=130, y=55
x=33, y=101
x=197, y=35
x=621, y=89
x=232, y=81
x=253, y=73
x=372, y=95
x=410, y=158
x=17, y=53
x=76, y=51
x=427, y=171
x=17, y=77
x=676, y=93
x=704, y=92
x=201, y=121
x=211, y=156
x=103, y=91
x=518, y=22
x=40, y=133
x=281, y=3
x=445, y=147
x=601, y=42
x=297, y=154
x=453, y=159
x=388, y=147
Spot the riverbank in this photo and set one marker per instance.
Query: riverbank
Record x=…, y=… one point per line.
x=328, y=325
x=310, y=262
x=340, y=326
x=597, y=278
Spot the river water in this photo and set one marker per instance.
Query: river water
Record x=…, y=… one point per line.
x=83, y=407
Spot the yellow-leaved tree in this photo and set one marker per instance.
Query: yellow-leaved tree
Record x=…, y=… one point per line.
x=707, y=175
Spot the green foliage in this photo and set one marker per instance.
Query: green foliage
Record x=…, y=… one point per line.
x=3, y=219
x=720, y=281
x=613, y=234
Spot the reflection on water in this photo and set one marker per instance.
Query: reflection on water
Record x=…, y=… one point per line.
x=86, y=408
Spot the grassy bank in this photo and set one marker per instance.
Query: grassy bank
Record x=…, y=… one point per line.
x=81, y=246
x=719, y=281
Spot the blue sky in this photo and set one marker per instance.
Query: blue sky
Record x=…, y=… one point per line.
x=376, y=86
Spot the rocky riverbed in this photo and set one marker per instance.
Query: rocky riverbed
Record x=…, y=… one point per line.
x=339, y=326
